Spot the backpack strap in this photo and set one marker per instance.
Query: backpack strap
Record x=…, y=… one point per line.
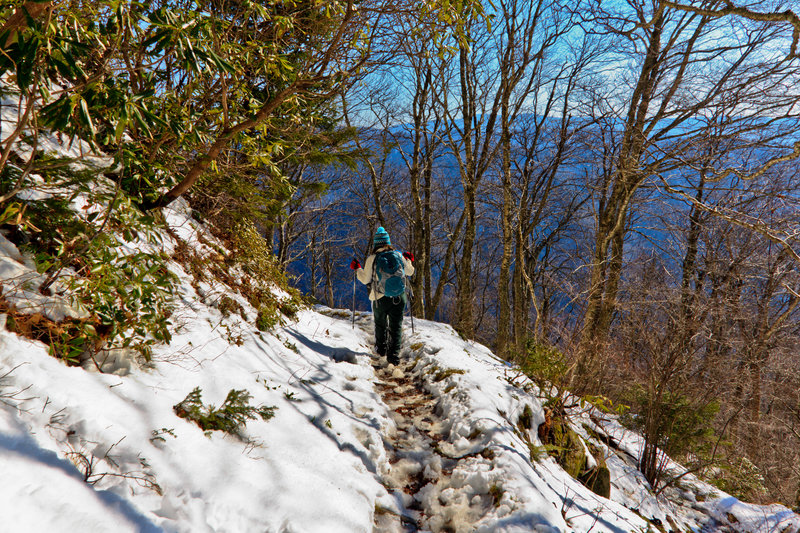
x=374, y=282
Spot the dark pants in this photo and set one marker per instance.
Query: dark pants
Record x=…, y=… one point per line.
x=388, y=315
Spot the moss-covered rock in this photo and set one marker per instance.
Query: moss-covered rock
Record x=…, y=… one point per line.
x=525, y=420
x=570, y=451
x=597, y=479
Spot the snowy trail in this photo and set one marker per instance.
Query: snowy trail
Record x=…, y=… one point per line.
x=411, y=445
x=418, y=465
x=409, y=442
x=406, y=444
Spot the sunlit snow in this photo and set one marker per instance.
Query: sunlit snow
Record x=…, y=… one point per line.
x=99, y=452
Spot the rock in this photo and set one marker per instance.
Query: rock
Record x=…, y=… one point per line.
x=598, y=480
x=574, y=456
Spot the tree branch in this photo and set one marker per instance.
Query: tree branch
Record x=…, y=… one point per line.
x=757, y=226
x=787, y=16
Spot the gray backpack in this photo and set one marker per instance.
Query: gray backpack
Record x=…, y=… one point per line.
x=388, y=272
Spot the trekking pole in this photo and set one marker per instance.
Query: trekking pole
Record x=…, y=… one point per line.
x=411, y=312
x=411, y=305
x=354, y=300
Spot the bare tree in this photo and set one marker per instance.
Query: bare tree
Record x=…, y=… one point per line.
x=684, y=69
x=416, y=133
x=496, y=74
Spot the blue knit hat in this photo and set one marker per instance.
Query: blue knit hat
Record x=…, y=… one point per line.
x=381, y=238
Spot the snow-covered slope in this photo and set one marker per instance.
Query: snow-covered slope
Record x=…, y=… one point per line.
x=329, y=461
x=354, y=445
x=291, y=473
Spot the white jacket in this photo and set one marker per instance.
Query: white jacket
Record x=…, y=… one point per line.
x=364, y=275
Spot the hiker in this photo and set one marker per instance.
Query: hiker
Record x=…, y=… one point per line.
x=385, y=271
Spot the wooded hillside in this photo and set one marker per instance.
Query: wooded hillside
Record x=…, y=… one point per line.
x=606, y=194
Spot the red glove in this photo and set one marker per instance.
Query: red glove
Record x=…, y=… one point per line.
x=409, y=256
x=355, y=265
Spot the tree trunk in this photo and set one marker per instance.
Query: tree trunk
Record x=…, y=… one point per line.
x=418, y=167
x=464, y=297
x=328, y=266
x=687, y=325
x=519, y=293
x=427, y=258
x=449, y=257
x=612, y=212
x=313, y=267
x=504, y=309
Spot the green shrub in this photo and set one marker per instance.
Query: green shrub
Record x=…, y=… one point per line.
x=254, y=255
x=683, y=427
x=671, y=423
x=543, y=364
x=739, y=478
x=225, y=199
x=231, y=416
x=291, y=346
x=496, y=492
x=268, y=318
x=289, y=308
x=228, y=306
x=97, y=254
x=605, y=404
x=131, y=296
x=66, y=340
x=54, y=228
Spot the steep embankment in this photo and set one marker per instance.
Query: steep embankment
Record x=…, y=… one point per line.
x=466, y=456
x=150, y=470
